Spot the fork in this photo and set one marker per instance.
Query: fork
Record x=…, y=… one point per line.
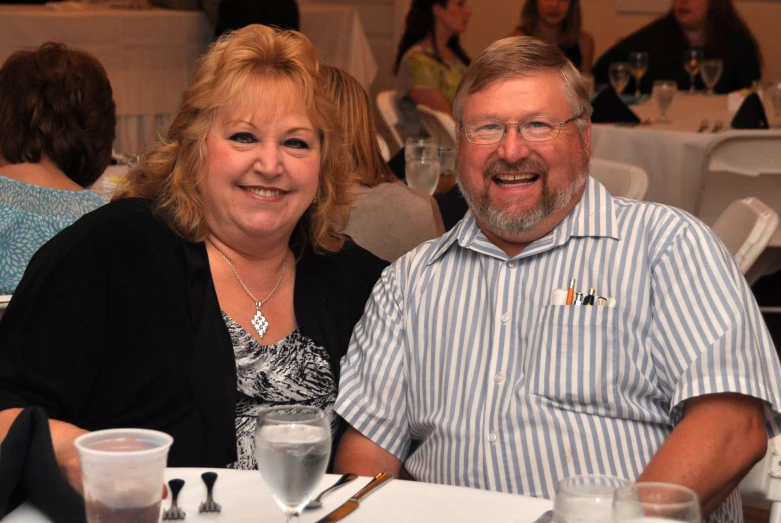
x=209, y=505
x=174, y=512
x=717, y=126
x=703, y=125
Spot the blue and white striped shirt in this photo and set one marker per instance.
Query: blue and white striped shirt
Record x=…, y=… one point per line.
x=462, y=368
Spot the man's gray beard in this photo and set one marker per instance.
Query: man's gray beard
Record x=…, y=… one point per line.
x=505, y=220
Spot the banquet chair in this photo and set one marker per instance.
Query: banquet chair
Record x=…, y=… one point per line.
x=384, y=149
x=439, y=125
x=386, y=103
x=746, y=227
x=620, y=179
x=762, y=485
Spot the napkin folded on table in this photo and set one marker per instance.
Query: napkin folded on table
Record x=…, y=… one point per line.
x=751, y=114
x=29, y=471
x=608, y=108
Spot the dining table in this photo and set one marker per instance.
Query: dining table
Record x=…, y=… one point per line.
x=150, y=54
x=244, y=497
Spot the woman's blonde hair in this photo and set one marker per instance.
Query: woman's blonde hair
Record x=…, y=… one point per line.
x=571, y=25
x=170, y=172
x=357, y=121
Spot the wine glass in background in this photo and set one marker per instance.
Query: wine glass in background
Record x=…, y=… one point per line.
x=663, y=93
x=292, y=446
x=619, y=76
x=691, y=62
x=638, y=64
x=710, y=71
x=772, y=94
x=586, y=499
x=656, y=503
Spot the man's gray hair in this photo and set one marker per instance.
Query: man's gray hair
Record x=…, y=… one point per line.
x=524, y=57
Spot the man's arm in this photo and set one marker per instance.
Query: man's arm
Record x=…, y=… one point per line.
x=719, y=439
x=359, y=454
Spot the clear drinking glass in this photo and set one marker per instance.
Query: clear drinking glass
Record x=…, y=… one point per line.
x=586, y=499
x=292, y=446
x=692, y=58
x=711, y=70
x=656, y=503
x=619, y=76
x=638, y=64
x=421, y=164
x=772, y=93
x=663, y=93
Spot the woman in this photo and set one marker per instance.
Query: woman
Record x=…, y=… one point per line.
x=387, y=218
x=57, y=119
x=219, y=282
x=558, y=22
x=430, y=61
x=713, y=25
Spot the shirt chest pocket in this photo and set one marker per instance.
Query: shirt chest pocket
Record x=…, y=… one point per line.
x=573, y=357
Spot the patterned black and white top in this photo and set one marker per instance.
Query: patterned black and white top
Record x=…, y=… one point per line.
x=293, y=371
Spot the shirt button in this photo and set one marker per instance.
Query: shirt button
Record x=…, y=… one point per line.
x=505, y=317
x=492, y=437
x=499, y=377
x=512, y=263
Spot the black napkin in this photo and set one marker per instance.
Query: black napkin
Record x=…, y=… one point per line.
x=29, y=471
x=608, y=108
x=751, y=114
x=452, y=206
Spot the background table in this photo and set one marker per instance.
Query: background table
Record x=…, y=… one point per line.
x=245, y=498
x=150, y=54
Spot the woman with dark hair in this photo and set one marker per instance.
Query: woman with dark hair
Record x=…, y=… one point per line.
x=57, y=118
x=558, y=22
x=712, y=25
x=430, y=61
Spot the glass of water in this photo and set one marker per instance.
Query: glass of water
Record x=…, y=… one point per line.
x=638, y=63
x=586, y=499
x=421, y=163
x=292, y=446
x=663, y=93
x=619, y=76
x=710, y=71
x=656, y=503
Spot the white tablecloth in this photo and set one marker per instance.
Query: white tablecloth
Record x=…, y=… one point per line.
x=245, y=498
x=150, y=54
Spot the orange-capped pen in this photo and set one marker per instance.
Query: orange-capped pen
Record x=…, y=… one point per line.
x=571, y=292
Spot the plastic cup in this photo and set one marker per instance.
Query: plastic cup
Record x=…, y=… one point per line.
x=123, y=474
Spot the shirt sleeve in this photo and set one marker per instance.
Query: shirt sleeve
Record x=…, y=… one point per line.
x=709, y=336
x=372, y=388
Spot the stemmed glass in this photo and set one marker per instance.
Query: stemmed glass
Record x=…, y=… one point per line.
x=663, y=93
x=691, y=62
x=711, y=70
x=586, y=499
x=292, y=446
x=619, y=76
x=656, y=502
x=773, y=94
x=638, y=63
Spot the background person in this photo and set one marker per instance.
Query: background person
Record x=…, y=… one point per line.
x=558, y=22
x=713, y=25
x=58, y=117
x=387, y=218
x=151, y=304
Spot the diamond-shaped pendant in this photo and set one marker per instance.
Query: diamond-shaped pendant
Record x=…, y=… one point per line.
x=260, y=323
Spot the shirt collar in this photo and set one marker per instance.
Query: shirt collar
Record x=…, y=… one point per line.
x=594, y=215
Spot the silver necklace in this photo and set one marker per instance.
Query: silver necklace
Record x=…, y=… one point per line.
x=259, y=322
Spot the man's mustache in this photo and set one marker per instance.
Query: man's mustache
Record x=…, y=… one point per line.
x=524, y=165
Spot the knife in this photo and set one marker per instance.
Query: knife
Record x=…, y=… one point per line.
x=351, y=504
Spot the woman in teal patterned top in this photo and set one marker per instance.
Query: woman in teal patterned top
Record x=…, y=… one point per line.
x=57, y=118
x=430, y=61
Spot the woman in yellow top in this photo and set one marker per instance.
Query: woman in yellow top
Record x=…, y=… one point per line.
x=430, y=61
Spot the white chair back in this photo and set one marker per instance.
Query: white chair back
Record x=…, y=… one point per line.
x=439, y=125
x=745, y=227
x=740, y=164
x=762, y=485
x=384, y=149
x=3, y=304
x=386, y=103
x=620, y=179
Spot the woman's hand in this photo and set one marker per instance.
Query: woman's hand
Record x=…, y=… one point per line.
x=63, y=436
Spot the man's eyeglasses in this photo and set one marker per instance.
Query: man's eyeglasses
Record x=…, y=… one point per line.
x=534, y=129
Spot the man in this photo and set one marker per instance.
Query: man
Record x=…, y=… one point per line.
x=464, y=372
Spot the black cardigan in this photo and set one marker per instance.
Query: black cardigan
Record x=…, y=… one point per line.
x=116, y=323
